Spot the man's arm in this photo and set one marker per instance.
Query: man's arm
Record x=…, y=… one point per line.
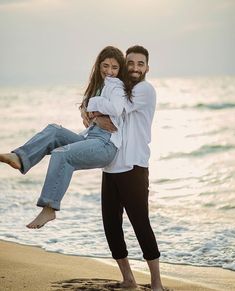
x=143, y=95
x=105, y=122
x=113, y=106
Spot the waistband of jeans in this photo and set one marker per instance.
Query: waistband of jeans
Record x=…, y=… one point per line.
x=95, y=131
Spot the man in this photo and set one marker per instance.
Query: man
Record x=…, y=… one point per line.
x=125, y=181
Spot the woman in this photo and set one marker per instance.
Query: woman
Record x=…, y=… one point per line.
x=94, y=148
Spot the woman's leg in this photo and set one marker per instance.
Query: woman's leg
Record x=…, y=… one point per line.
x=41, y=144
x=87, y=154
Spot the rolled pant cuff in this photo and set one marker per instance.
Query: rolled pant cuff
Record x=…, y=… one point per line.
x=154, y=257
x=49, y=203
x=25, y=163
x=119, y=257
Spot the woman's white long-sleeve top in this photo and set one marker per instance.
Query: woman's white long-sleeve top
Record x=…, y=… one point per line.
x=111, y=102
x=138, y=117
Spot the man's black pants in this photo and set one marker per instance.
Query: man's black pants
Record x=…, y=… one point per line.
x=127, y=190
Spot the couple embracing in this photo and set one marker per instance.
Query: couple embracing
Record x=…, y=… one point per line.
x=117, y=111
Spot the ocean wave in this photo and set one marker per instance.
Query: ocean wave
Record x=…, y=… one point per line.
x=202, y=151
x=215, y=106
x=210, y=133
x=198, y=106
x=227, y=207
x=164, y=181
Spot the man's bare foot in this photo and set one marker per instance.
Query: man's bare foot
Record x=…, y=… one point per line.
x=127, y=275
x=124, y=285
x=47, y=214
x=11, y=159
x=128, y=284
x=161, y=289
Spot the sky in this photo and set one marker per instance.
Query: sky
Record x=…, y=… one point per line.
x=57, y=41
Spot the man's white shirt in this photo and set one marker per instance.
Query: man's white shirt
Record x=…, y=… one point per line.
x=136, y=131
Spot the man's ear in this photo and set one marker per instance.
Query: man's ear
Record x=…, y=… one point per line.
x=147, y=69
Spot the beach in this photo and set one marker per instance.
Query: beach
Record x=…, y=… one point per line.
x=33, y=269
x=191, y=198
x=192, y=186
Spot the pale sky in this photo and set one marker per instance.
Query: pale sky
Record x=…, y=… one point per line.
x=57, y=41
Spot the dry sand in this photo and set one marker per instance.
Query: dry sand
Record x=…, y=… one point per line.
x=33, y=269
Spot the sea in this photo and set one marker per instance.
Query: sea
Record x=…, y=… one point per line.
x=192, y=173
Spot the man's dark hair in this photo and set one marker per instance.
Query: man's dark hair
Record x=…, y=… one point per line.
x=138, y=49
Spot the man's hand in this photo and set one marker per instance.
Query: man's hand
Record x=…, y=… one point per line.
x=94, y=114
x=105, y=122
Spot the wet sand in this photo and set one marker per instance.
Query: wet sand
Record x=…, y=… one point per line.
x=33, y=269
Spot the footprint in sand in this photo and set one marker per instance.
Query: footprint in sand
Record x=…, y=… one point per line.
x=96, y=285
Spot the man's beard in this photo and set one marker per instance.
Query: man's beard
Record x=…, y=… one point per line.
x=136, y=79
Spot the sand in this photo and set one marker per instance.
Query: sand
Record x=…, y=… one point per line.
x=33, y=269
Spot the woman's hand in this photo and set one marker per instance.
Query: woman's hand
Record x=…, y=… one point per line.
x=85, y=117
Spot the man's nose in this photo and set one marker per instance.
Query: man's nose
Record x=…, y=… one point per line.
x=135, y=67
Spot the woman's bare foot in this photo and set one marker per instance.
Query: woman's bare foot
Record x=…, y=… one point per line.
x=47, y=214
x=11, y=159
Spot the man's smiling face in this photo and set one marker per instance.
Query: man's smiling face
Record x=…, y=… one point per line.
x=137, y=66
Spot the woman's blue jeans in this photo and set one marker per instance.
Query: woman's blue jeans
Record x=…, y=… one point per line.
x=69, y=152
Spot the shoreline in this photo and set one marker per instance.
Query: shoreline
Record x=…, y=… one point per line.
x=214, y=278
x=33, y=269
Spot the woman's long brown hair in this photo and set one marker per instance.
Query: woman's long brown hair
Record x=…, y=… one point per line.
x=96, y=81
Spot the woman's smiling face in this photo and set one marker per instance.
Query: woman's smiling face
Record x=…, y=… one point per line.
x=109, y=67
